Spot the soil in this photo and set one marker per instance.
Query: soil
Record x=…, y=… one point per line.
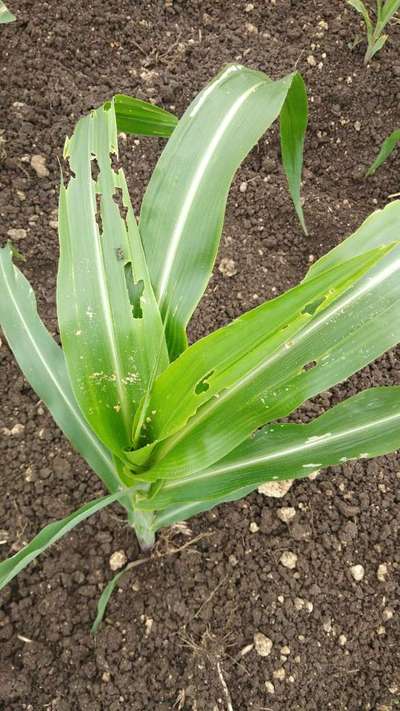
x=177, y=634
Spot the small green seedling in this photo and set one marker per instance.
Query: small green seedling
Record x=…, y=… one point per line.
x=387, y=148
x=385, y=10
x=5, y=14
x=171, y=429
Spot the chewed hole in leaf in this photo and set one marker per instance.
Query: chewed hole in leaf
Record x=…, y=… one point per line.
x=135, y=291
x=310, y=365
x=202, y=386
x=67, y=172
x=98, y=213
x=118, y=199
x=116, y=164
x=313, y=306
x=94, y=166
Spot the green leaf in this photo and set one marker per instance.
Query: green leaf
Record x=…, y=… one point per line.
x=380, y=228
x=293, y=125
x=10, y=567
x=361, y=8
x=112, y=335
x=375, y=47
x=367, y=425
x=5, y=15
x=142, y=118
x=387, y=148
x=183, y=207
x=43, y=364
x=260, y=367
x=182, y=512
x=104, y=600
x=389, y=8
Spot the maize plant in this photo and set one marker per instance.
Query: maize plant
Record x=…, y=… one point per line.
x=171, y=429
x=385, y=11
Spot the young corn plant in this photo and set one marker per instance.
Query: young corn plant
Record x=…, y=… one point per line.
x=387, y=148
x=171, y=429
x=384, y=12
x=5, y=15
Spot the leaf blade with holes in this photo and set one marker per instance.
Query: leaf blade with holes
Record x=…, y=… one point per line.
x=111, y=355
x=353, y=331
x=190, y=184
x=258, y=374
x=43, y=364
x=366, y=425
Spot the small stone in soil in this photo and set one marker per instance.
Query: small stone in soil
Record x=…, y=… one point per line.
x=227, y=267
x=16, y=234
x=357, y=572
x=276, y=489
x=270, y=687
x=286, y=513
x=288, y=559
x=388, y=613
x=118, y=560
x=38, y=164
x=382, y=572
x=262, y=644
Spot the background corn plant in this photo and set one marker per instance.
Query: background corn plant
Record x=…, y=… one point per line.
x=173, y=430
x=387, y=148
x=384, y=12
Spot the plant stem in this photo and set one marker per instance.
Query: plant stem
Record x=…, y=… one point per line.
x=141, y=521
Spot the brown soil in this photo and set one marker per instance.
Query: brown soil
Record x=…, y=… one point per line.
x=207, y=602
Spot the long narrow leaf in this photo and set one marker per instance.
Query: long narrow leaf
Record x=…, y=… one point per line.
x=141, y=118
x=182, y=211
x=43, y=364
x=367, y=425
x=389, y=8
x=387, y=148
x=361, y=8
x=293, y=124
x=110, y=324
x=247, y=368
x=10, y=567
x=346, y=336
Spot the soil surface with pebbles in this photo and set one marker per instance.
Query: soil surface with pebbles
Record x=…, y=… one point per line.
x=224, y=616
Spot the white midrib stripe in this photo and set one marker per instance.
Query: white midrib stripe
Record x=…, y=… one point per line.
x=193, y=189
x=50, y=373
x=305, y=446
x=204, y=414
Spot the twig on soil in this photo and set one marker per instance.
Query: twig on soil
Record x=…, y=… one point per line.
x=210, y=597
x=225, y=688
